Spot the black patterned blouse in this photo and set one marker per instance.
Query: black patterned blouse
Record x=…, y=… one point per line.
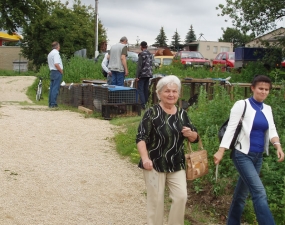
x=163, y=137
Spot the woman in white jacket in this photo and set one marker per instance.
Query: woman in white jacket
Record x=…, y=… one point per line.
x=104, y=65
x=258, y=129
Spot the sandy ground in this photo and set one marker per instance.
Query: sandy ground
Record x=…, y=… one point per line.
x=59, y=168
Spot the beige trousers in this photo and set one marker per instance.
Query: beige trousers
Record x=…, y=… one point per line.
x=155, y=185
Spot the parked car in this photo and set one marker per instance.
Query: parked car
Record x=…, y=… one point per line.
x=192, y=58
x=163, y=60
x=226, y=59
x=133, y=56
x=100, y=57
x=283, y=63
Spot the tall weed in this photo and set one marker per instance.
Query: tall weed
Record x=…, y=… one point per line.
x=207, y=115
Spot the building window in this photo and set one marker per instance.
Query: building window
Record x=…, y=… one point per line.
x=215, y=49
x=225, y=49
x=208, y=47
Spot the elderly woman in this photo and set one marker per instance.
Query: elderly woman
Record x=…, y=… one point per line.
x=160, y=137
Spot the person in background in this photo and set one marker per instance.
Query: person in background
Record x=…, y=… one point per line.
x=104, y=65
x=56, y=72
x=258, y=129
x=160, y=142
x=118, y=62
x=144, y=73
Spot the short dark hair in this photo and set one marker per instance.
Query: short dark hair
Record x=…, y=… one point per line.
x=261, y=78
x=144, y=44
x=54, y=45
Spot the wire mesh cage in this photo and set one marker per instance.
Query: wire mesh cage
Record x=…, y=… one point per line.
x=88, y=95
x=114, y=95
x=110, y=110
x=70, y=94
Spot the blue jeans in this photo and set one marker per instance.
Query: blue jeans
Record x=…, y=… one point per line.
x=143, y=85
x=118, y=78
x=248, y=167
x=55, y=80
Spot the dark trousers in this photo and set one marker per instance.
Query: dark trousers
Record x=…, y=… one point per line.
x=55, y=80
x=143, y=90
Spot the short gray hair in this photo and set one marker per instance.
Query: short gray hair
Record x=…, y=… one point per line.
x=123, y=39
x=167, y=80
x=55, y=45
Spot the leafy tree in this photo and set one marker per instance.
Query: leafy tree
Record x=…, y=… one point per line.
x=235, y=36
x=15, y=14
x=252, y=15
x=72, y=27
x=161, y=39
x=190, y=36
x=175, y=43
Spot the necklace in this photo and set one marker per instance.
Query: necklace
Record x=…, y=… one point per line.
x=260, y=108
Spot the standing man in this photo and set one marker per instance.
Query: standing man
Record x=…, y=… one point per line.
x=144, y=73
x=118, y=62
x=56, y=71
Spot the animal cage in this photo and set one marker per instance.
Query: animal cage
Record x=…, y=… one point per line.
x=115, y=95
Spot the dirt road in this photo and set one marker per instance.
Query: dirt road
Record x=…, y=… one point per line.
x=59, y=168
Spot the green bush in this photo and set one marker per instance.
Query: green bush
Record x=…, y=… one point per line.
x=207, y=115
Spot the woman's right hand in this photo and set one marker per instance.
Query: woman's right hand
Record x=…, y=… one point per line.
x=147, y=164
x=219, y=155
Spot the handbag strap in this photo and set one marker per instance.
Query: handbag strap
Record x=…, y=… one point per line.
x=243, y=110
x=200, y=145
x=217, y=166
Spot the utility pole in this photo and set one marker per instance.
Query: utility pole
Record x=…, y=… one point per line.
x=96, y=29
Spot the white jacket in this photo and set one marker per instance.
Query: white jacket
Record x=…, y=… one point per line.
x=105, y=62
x=243, y=138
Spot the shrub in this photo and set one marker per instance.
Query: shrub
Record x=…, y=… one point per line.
x=207, y=115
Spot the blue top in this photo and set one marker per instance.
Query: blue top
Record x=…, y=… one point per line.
x=259, y=127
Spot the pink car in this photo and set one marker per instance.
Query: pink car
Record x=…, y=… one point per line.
x=227, y=59
x=192, y=58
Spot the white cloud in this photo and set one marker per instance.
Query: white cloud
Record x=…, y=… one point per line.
x=144, y=18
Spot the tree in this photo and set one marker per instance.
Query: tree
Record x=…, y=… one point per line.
x=15, y=14
x=161, y=39
x=72, y=27
x=252, y=15
x=175, y=43
x=235, y=36
x=190, y=36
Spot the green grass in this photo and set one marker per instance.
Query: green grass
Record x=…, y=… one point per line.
x=16, y=73
x=207, y=116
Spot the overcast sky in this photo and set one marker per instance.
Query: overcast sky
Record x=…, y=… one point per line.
x=142, y=19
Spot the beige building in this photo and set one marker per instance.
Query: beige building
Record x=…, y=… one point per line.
x=210, y=49
x=272, y=37
x=8, y=55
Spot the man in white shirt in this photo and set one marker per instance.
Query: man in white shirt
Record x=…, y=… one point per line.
x=56, y=71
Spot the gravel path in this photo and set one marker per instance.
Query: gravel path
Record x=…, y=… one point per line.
x=59, y=168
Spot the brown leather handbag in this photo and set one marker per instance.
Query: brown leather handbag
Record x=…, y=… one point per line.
x=196, y=162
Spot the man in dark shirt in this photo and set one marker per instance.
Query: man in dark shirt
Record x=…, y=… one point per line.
x=144, y=73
